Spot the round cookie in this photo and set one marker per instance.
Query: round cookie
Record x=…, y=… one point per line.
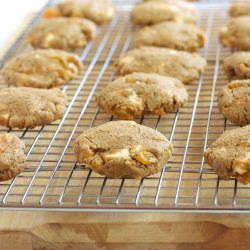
x=182, y=65
x=29, y=107
x=142, y=93
x=180, y=36
x=62, y=33
x=237, y=66
x=98, y=11
x=12, y=157
x=234, y=102
x=41, y=68
x=237, y=33
x=229, y=155
x=123, y=149
x=147, y=13
x=239, y=9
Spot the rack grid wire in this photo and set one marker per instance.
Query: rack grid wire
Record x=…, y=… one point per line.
x=53, y=180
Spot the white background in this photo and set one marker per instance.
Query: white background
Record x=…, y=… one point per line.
x=12, y=12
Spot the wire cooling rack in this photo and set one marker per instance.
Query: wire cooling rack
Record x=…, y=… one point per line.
x=54, y=181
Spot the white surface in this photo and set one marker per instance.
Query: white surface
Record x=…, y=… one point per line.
x=12, y=12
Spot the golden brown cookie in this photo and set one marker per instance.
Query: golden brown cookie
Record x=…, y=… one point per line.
x=142, y=93
x=41, y=68
x=183, y=65
x=99, y=11
x=62, y=33
x=237, y=66
x=239, y=9
x=12, y=157
x=229, y=155
x=234, y=102
x=154, y=12
x=30, y=107
x=180, y=36
x=123, y=149
x=237, y=33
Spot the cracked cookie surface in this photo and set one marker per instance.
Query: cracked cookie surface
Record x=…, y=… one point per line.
x=237, y=66
x=12, y=157
x=182, y=65
x=98, y=11
x=142, y=93
x=62, y=33
x=234, y=102
x=123, y=149
x=229, y=155
x=180, y=36
x=41, y=68
x=30, y=107
x=237, y=33
x=147, y=13
x=239, y=9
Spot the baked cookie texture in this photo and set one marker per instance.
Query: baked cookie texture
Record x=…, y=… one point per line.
x=30, y=107
x=41, y=68
x=237, y=65
x=142, y=93
x=229, y=155
x=239, y=9
x=180, y=36
x=147, y=13
x=185, y=66
x=237, y=33
x=12, y=157
x=62, y=33
x=123, y=149
x=99, y=11
x=170, y=1
x=234, y=102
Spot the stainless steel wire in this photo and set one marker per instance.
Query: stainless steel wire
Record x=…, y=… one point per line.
x=54, y=181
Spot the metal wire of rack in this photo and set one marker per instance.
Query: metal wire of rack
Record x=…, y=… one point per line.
x=54, y=181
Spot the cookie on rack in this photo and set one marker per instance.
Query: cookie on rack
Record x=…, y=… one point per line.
x=185, y=66
x=99, y=11
x=236, y=33
x=30, y=107
x=148, y=13
x=12, y=157
x=142, y=93
x=62, y=33
x=229, y=155
x=237, y=65
x=180, y=36
x=41, y=68
x=234, y=102
x=239, y=9
x=123, y=149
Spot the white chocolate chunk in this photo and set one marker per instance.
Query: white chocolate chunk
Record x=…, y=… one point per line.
x=50, y=37
x=133, y=98
x=122, y=153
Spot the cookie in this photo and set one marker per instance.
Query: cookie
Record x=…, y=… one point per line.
x=123, y=149
x=239, y=9
x=142, y=93
x=41, y=68
x=237, y=33
x=180, y=36
x=62, y=33
x=183, y=65
x=12, y=157
x=237, y=66
x=234, y=102
x=99, y=11
x=147, y=13
x=229, y=155
x=30, y=107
